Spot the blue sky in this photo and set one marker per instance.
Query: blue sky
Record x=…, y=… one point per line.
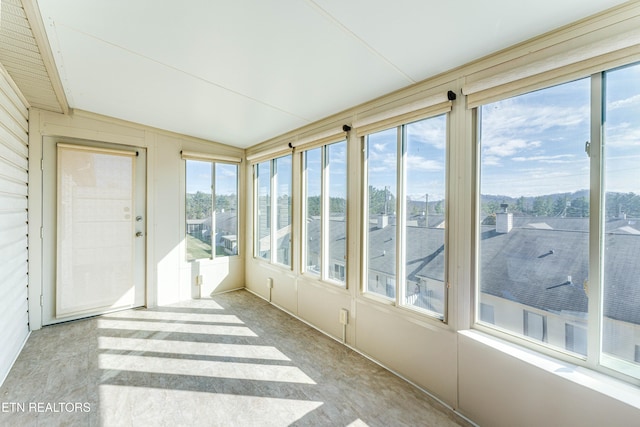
x=199, y=177
x=531, y=145
x=425, y=159
x=534, y=144
x=337, y=170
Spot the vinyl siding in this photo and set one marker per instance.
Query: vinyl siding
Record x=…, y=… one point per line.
x=13, y=225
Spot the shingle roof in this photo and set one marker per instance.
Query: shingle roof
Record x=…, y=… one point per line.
x=542, y=266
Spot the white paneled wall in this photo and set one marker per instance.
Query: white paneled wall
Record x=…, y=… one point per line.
x=14, y=319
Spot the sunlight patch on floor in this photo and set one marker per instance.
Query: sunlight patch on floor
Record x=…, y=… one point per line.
x=192, y=348
x=195, y=408
x=173, y=316
x=203, y=368
x=160, y=326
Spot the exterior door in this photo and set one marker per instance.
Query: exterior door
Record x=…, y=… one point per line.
x=94, y=236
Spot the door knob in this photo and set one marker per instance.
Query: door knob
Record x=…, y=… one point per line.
x=139, y=234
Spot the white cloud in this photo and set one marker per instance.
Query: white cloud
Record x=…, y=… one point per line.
x=491, y=161
x=505, y=148
x=545, y=159
x=430, y=131
x=422, y=164
x=624, y=103
x=623, y=135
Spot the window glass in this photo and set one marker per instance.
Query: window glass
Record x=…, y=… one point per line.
x=211, y=209
x=283, y=209
x=226, y=209
x=534, y=210
x=263, y=217
x=313, y=223
x=336, y=167
x=621, y=216
x=381, y=149
x=198, y=209
x=425, y=168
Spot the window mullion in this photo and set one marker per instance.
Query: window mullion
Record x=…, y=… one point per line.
x=213, y=210
x=400, y=220
x=594, y=289
x=324, y=215
x=274, y=211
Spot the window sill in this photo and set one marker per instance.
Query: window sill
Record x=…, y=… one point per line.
x=406, y=313
x=596, y=381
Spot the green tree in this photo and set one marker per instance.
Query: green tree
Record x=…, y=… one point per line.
x=542, y=206
x=377, y=201
x=198, y=205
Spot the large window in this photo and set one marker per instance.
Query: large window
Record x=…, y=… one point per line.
x=406, y=215
x=559, y=217
x=325, y=189
x=273, y=210
x=211, y=209
x=621, y=220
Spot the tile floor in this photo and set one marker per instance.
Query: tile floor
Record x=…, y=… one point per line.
x=233, y=360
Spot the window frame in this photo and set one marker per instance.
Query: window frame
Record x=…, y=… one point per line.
x=213, y=161
x=325, y=217
x=595, y=357
x=273, y=211
x=399, y=281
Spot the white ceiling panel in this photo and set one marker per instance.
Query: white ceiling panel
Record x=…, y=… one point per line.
x=427, y=37
x=239, y=72
x=117, y=83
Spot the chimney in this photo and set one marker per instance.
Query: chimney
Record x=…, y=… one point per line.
x=504, y=220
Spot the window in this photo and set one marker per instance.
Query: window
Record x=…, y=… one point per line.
x=549, y=203
x=325, y=187
x=487, y=313
x=263, y=210
x=406, y=214
x=575, y=339
x=534, y=211
x=621, y=218
x=535, y=326
x=273, y=201
x=211, y=209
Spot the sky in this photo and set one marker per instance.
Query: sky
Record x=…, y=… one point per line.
x=425, y=159
x=530, y=145
x=199, y=177
x=337, y=170
x=534, y=144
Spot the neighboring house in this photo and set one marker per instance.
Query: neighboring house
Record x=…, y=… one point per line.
x=533, y=275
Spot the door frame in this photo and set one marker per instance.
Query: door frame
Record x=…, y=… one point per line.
x=49, y=225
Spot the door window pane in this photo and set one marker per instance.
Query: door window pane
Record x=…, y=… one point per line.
x=621, y=285
x=95, y=230
x=381, y=149
x=534, y=209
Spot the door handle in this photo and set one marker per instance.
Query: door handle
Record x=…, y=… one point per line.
x=139, y=234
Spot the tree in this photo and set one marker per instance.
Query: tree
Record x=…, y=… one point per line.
x=198, y=205
x=381, y=201
x=542, y=206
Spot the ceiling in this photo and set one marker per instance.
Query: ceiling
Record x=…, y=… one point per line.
x=240, y=72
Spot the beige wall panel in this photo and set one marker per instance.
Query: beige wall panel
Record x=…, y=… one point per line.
x=167, y=225
x=418, y=351
x=501, y=389
x=320, y=305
